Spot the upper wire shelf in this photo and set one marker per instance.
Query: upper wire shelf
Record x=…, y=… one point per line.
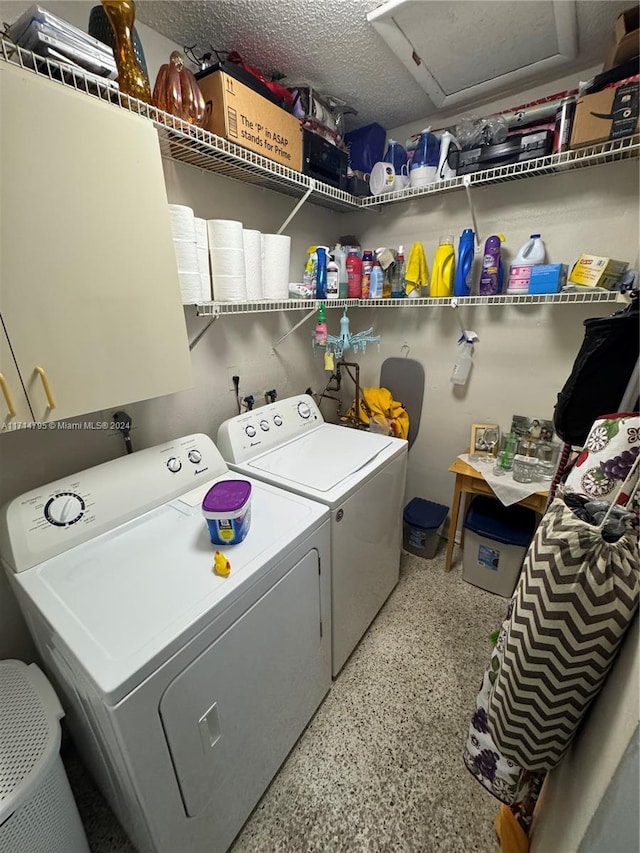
x=185, y=143
x=216, y=309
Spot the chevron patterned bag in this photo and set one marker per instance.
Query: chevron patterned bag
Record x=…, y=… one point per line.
x=576, y=597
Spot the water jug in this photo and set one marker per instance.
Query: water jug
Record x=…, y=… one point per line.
x=424, y=165
x=466, y=247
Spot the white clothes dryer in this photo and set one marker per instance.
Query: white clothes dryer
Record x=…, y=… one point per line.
x=185, y=691
x=359, y=475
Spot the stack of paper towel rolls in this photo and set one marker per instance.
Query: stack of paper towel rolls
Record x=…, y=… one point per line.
x=276, y=252
x=202, y=241
x=194, y=286
x=253, y=264
x=226, y=253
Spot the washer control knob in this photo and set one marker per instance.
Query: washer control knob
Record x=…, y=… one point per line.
x=174, y=464
x=195, y=456
x=250, y=430
x=64, y=509
x=304, y=411
x=277, y=420
x=264, y=426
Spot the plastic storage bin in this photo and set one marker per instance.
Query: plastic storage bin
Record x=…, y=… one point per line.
x=422, y=527
x=495, y=543
x=38, y=813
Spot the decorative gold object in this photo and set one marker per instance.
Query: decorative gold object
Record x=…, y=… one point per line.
x=131, y=78
x=176, y=91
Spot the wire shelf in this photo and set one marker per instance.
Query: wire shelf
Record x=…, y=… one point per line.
x=185, y=143
x=216, y=309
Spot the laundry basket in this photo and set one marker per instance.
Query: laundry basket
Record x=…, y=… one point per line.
x=37, y=811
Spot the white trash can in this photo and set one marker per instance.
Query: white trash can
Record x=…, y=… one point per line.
x=38, y=813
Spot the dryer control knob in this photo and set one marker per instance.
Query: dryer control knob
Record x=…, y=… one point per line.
x=250, y=430
x=64, y=509
x=174, y=464
x=304, y=411
x=194, y=456
x=264, y=426
x=277, y=420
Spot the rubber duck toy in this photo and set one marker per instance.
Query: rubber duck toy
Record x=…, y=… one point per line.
x=221, y=566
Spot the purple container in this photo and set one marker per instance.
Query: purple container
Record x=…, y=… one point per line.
x=492, y=272
x=227, y=509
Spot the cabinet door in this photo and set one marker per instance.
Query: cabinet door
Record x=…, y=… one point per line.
x=14, y=408
x=89, y=288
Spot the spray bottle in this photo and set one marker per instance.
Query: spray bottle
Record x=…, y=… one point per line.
x=321, y=331
x=463, y=364
x=340, y=256
x=492, y=271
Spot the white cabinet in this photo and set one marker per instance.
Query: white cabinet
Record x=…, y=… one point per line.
x=89, y=292
x=14, y=407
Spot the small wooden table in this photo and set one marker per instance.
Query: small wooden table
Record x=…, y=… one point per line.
x=471, y=482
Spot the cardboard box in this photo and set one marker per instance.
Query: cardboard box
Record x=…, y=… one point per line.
x=240, y=115
x=547, y=278
x=596, y=271
x=627, y=22
x=623, y=51
x=608, y=114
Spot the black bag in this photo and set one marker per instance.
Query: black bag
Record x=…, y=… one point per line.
x=600, y=374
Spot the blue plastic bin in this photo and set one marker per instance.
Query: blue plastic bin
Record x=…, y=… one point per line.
x=422, y=527
x=495, y=544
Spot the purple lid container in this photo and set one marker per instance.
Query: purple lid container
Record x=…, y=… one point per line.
x=227, y=496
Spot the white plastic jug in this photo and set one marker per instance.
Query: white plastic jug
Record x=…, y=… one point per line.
x=533, y=252
x=447, y=142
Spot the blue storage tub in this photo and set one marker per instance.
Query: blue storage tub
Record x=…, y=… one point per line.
x=423, y=522
x=495, y=544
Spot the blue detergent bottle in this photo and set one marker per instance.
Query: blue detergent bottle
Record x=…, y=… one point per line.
x=466, y=248
x=321, y=273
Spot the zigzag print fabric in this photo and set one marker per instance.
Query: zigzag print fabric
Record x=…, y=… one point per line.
x=576, y=597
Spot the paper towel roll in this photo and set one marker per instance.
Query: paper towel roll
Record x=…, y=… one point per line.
x=203, y=261
x=182, y=222
x=228, y=262
x=186, y=255
x=276, y=251
x=253, y=264
x=224, y=234
x=190, y=287
x=205, y=287
x=202, y=238
x=229, y=288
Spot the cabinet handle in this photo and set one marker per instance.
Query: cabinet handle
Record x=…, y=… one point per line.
x=7, y=397
x=47, y=388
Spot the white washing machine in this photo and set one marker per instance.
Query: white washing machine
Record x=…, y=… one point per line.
x=185, y=690
x=360, y=476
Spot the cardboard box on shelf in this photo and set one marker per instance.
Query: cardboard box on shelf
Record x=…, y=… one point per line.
x=240, y=115
x=627, y=22
x=605, y=115
x=597, y=271
x=627, y=38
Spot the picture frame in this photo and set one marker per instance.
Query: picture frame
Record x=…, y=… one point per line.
x=485, y=441
x=533, y=429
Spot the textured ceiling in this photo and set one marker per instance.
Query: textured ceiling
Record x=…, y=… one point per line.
x=331, y=46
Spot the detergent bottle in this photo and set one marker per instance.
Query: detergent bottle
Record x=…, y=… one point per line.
x=309, y=275
x=492, y=271
x=443, y=268
x=375, y=281
x=321, y=272
x=466, y=248
x=354, y=274
x=333, y=272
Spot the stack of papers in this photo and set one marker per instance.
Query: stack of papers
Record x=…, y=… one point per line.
x=42, y=32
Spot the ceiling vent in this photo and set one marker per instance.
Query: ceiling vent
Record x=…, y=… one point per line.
x=467, y=51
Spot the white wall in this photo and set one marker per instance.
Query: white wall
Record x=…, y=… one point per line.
x=523, y=357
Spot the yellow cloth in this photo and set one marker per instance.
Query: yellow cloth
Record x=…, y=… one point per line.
x=377, y=403
x=511, y=835
x=416, y=273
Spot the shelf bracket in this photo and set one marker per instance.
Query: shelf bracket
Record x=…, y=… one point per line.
x=202, y=332
x=466, y=182
x=297, y=326
x=312, y=186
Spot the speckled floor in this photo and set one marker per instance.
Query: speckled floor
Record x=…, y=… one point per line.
x=379, y=768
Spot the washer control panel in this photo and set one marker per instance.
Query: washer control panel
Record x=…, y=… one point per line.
x=249, y=434
x=49, y=520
